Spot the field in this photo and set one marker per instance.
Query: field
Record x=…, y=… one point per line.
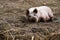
x=14, y=26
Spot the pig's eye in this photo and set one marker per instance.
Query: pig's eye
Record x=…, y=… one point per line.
x=27, y=12
x=35, y=11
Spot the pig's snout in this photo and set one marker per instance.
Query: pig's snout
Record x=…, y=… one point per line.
x=29, y=16
x=32, y=19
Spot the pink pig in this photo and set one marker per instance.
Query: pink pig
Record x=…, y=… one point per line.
x=38, y=13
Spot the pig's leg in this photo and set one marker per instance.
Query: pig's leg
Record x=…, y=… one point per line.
x=36, y=18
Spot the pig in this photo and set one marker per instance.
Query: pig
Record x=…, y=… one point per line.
x=40, y=13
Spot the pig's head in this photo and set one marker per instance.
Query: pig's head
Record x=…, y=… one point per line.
x=32, y=14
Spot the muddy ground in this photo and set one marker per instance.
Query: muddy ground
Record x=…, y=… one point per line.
x=14, y=26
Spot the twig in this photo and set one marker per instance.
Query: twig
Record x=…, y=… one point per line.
x=32, y=38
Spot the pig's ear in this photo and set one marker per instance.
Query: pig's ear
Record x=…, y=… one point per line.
x=35, y=11
x=27, y=12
